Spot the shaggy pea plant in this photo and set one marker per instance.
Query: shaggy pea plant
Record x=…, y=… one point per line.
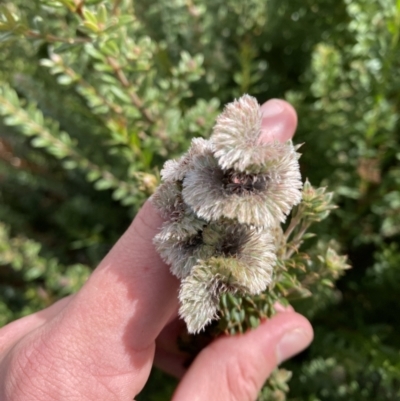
x=224, y=202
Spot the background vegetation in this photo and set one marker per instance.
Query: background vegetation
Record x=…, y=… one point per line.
x=96, y=94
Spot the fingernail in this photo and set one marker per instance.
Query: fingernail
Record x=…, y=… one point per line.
x=273, y=125
x=291, y=344
x=272, y=108
x=281, y=308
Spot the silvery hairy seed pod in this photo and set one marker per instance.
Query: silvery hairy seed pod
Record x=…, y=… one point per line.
x=237, y=177
x=262, y=199
x=175, y=170
x=242, y=261
x=181, y=223
x=246, y=253
x=236, y=133
x=182, y=254
x=236, y=139
x=250, y=252
x=200, y=293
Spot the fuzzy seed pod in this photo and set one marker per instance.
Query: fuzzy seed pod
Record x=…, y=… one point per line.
x=262, y=199
x=175, y=170
x=249, y=251
x=199, y=296
x=181, y=222
x=236, y=132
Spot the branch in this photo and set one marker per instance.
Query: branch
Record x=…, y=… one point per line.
x=52, y=39
x=115, y=9
x=126, y=84
x=297, y=241
x=7, y=155
x=57, y=145
x=80, y=80
x=293, y=223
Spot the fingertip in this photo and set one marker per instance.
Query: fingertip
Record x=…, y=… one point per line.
x=283, y=308
x=293, y=334
x=270, y=332
x=279, y=121
x=277, y=339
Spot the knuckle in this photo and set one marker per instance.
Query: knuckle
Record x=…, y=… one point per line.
x=36, y=369
x=241, y=380
x=239, y=375
x=25, y=373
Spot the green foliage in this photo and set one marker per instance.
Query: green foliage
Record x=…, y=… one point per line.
x=95, y=95
x=297, y=275
x=277, y=386
x=32, y=281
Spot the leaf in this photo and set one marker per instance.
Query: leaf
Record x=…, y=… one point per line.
x=93, y=2
x=93, y=175
x=8, y=15
x=103, y=184
x=120, y=94
x=93, y=52
x=70, y=4
x=254, y=322
x=120, y=193
x=45, y=62
x=70, y=164
x=89, y=16
x=308, y=235
x=102, y=14
x=39, y=142
x=64, y=80
x=7, y=36
x=327, y=283
x=91, y=26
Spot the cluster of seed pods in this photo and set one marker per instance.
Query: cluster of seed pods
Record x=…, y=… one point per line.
x=222, y=202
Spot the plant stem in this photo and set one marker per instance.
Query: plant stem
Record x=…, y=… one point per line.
x=293, y=223
x=53, y=39
x=297, y=240
x=126, y=84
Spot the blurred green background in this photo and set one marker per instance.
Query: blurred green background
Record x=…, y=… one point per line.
x=96, y=95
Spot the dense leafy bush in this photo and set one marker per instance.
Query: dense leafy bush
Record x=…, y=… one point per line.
x=96, y=94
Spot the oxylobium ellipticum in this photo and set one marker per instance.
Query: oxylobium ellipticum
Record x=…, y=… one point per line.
x=224, y=202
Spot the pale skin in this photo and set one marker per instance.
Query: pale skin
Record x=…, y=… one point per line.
x=100, y=343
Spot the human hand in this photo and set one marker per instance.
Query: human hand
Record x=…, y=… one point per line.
x=100, y=343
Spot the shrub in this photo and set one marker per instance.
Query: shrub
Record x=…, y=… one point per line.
x=95, y=95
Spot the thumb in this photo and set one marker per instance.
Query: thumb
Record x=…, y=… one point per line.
x=235, y=368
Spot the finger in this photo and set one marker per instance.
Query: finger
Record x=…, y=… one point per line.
x=169, y=357
x=168, y=338
x=132, y=293
x=114, y=319
x=279, y=121
x=281, y=308
x=235, y=368
x=171, y=363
